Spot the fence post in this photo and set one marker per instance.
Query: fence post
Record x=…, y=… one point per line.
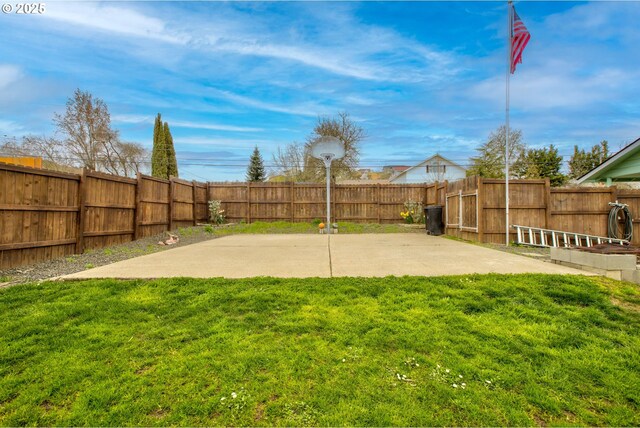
x=207, y=199
x=445, y=211
x=195, y=217
x=138, y=212
x=293, y=207
x=614, y=193
x=547, y=203
x=333, y=203
x=378, y=202
x=170, y=204
x=248, y=202
x=460, y=210
x=480, y=209
x=81, y=212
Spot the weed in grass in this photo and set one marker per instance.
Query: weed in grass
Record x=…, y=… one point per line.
x=209, y=229
x=70, y=259
x=107, y=252
x=89, y=266
x=187, y=231
x=5, y=278
x=235, y=405
x=300, y=413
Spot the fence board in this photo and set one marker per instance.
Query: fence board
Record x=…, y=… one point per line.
x=38, y=215
x=154, y=206
x=109, y=210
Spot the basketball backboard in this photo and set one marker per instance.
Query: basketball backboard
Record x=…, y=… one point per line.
x=328, y=149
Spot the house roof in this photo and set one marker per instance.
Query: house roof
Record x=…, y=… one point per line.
x=424, y=162
x=618, y=167
x=396, y=168
x=366, y=181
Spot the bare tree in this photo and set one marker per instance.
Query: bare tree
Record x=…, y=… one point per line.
x=490, y=161
x=290, y=162
x=122, y=158
x=349, y=133
x=49, y=149
x=295, y=162
x=88, y=141
x=86, y=128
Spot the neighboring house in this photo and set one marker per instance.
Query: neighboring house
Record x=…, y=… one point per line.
x=394, y=169
x=364, y=173
x=367, y=181
x=435, y=168
x=33, y=162
x=621, y=167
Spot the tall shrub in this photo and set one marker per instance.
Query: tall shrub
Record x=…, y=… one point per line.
x=159, y=161
x=172, y=162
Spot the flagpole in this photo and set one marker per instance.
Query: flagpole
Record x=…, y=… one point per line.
x=506, y=146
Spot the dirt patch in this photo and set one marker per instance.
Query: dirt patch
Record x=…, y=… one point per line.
x=626, y=305
x=143, y=370
x=539, y=421
x=46, y=405
x=259, y=413
x=158, y=413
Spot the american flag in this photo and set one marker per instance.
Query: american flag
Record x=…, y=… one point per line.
x=519, y=38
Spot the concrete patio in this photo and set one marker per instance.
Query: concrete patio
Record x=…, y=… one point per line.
x=368, y=255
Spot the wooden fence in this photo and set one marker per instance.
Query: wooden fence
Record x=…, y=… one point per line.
x=46, y=214
x=380, y=203
x=476, y=208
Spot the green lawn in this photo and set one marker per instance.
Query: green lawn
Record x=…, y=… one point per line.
x=470, y=350
x=288, y=227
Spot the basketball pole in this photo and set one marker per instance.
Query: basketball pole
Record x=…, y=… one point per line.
x=327, y=165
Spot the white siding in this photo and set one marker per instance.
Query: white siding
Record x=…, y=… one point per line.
x=418, y=174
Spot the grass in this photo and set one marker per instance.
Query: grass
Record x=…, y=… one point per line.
x=531, y=350
x=261, y=227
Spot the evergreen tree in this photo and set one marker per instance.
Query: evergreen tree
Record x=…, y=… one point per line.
x=172, y=162
x=255, y=171
x=544, y=163
x=490, y=160
x=159, y=154
x=582, y=161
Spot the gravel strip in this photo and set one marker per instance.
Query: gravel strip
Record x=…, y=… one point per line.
x=104, y=256
x=539, y=253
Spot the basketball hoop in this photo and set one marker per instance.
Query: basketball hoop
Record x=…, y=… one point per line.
x=327, y=149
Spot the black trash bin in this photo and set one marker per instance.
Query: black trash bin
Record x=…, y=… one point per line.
x=433, y=219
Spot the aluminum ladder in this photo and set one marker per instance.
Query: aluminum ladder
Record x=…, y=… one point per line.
x=538, y=237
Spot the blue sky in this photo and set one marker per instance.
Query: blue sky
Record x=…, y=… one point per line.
x=420, y=77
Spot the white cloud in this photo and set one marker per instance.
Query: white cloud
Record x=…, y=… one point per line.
x=213, y=126
x=9, y=74
x=10, y=128
x=536, y=90
x=139, y=119
x=337, y=42
x=308, y=109
x=114, y=19
x=309, y=55
x=226, y=142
